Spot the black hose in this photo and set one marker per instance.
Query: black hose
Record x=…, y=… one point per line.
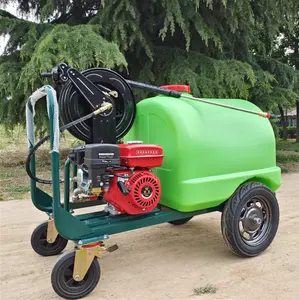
x=29, y=158
x=42, y=141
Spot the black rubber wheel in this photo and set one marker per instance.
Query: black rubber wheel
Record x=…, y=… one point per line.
x=64, y=284
x=41, y=246
x=250, y=219
x=180, y=221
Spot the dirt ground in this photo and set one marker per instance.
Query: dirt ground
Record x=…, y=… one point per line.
x=163, y=261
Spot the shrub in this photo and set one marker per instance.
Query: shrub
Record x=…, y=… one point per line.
x=275, y=129
x=291, y=131
x=282, y=157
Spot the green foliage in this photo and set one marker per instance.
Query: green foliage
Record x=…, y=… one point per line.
x=291, y=131
x=289, y=145
x=55, y=46
x=276, y=130
x=207, y=77
x=220, y=48
x=35, y=48
x=282, y=157
x=208, y=289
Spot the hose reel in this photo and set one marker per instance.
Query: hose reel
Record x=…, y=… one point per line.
x=84, y=92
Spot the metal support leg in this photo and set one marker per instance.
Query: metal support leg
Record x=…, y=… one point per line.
x=84, y=257
x=52, y=232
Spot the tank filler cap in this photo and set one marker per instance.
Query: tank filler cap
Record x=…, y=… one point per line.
x=177, y=88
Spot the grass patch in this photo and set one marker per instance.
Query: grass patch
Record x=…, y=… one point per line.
x=288, y=145
x=208, y=289
x=287, y=156
x=15, y=189
x=15, y=183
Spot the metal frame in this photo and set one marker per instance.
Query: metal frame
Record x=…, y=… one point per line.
x=91, y=227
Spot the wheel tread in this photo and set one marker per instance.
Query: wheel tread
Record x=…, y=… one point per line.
x=227, y=218
x=56, y=248
x=56, y=275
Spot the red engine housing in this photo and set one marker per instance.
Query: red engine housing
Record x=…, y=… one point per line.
x=144, y=192
x=144, y=188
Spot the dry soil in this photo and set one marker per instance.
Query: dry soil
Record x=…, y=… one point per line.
x=163, y=261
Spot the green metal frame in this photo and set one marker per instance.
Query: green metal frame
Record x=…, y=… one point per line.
x=90, y=227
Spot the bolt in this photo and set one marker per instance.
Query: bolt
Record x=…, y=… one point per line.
x=77, y=277
x=257, y=220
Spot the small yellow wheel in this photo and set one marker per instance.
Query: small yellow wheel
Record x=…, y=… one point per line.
x=40, y=244
x=66, y=286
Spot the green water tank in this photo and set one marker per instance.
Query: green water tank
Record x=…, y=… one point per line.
x=209, y=150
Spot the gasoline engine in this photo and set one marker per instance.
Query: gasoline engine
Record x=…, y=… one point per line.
x=120, y=174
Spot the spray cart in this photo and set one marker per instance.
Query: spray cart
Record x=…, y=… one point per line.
x=180, y=157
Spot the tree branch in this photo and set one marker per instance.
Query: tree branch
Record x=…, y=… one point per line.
x=6, y=14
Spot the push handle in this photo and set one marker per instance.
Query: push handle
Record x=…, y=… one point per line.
x=46, y=75
x=55, y=73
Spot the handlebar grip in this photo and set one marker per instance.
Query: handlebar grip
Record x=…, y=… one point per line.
x=44, y=75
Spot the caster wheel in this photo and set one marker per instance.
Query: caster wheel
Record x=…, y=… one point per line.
x=181, y=221
x=250, y=219
x=64, y=284
x=41, y=246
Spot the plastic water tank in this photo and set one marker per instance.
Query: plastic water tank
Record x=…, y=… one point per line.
x=208, y=150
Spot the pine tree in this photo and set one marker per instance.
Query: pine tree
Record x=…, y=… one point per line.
x=220, y=48
x=288, y=52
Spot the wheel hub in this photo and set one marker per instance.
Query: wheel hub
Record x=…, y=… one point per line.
x=253, y=219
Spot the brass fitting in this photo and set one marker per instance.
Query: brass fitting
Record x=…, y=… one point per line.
x=105, y=106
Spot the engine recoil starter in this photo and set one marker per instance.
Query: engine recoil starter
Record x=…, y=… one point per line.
x=140, y=193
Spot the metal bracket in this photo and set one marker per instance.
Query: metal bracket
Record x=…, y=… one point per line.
x=52, y=232
x=85, y=255
x=83, y=259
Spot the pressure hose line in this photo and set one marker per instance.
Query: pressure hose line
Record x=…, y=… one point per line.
x=176, y=94
x=105, y=106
